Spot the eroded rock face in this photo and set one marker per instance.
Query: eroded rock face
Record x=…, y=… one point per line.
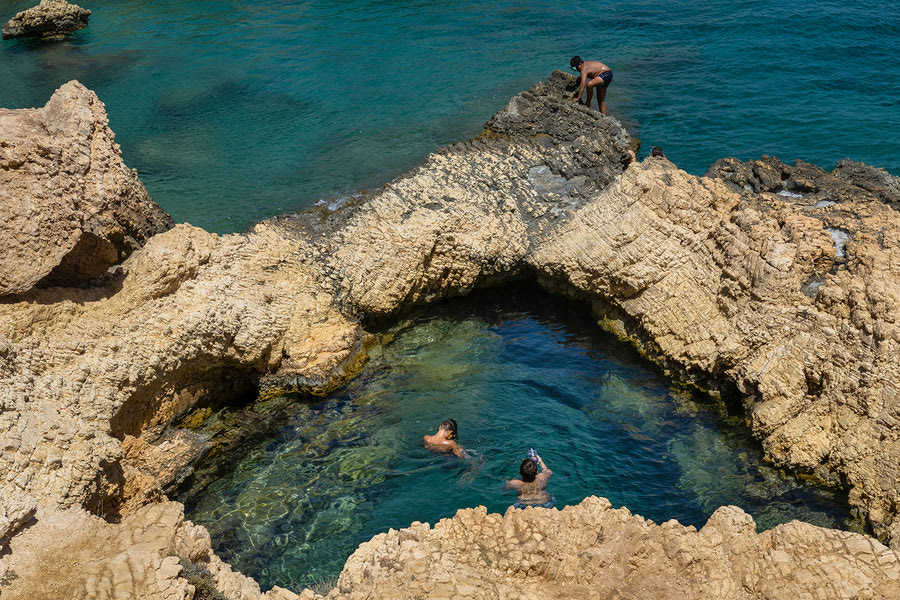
x=849, y=181
x=69, y=207
x=873, y=179
x=593, y=551
x=789, y=298
x=188, y=320
x=16, y=509
x=51, y=19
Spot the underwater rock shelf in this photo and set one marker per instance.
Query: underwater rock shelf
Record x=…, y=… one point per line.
x=704, y=275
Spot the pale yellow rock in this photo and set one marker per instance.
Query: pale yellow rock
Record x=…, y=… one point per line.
x=70, y=207
x=716, y=284
x=594, y=551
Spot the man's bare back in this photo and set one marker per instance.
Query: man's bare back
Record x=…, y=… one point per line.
x=593, y=68
x=444, y=439
x=594, y=74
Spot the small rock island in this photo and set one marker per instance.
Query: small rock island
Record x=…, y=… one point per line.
x=51, y=19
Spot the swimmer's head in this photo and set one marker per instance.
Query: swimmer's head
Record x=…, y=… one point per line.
x=528, y=470
x=576, y=60
x=450, y=425
x=657, y=151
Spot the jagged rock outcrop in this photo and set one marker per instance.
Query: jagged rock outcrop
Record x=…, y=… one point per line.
x=69, y=207
x=872, y=179
x=193, y=316
x=586, y=551
x=785, y=293
x=51, y=19
x=16, y=509
x=152, y=553
x=845, y=184
x=591, y=551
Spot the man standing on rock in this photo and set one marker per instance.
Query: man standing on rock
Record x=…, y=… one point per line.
x=594, y=74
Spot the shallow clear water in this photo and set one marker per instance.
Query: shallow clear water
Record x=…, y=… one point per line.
x=236, y=111
x=515, y=369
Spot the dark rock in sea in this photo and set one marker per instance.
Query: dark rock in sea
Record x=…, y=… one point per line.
x=849, y=182
x=51, y=19
x=872, y=179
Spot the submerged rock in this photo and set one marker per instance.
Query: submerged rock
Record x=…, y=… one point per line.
x=711, y=280
x=69, y=206
x=51, y=19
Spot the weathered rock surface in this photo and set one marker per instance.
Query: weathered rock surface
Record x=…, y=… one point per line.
x=593, y=551
x=586, y=551
x=143, y=557
x=873, y=179
x=51, y=19
x=771, y=175
x=16, y=509
x=69, y=207
x=189, y=319
x=787, y=295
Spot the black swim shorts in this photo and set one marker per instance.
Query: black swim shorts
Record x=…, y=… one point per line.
x=606, y=76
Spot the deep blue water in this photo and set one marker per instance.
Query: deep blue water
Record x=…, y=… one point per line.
x=515, y=369
x=234, y=111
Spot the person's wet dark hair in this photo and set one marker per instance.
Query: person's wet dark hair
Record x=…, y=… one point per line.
x=657, y=151
x=528, y=470
x=451, y=425
x=576, y=60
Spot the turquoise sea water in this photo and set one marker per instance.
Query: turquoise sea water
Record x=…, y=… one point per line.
x=234, y=111
x=515, y=369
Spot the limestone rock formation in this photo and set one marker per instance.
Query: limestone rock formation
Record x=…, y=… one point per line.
x=850, y=181
x=591, y=551
x=153, y=553
x=775, y=283
x=872, y=179
x=51, y=19
x=16, y=509
x=791, y=300
x=69, y=207
x=186, y=321
x=586, y=551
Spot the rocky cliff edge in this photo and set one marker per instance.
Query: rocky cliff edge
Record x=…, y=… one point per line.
x=783, y=293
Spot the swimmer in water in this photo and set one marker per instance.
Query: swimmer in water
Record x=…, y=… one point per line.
x=445, y=440
x=532, y=488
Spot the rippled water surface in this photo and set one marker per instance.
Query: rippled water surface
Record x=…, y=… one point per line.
x=236, y=111
x=515, y=369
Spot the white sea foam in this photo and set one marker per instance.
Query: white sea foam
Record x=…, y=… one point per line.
x=811, y=288
x=546, y=183
x=338, y=203
x=840, y=238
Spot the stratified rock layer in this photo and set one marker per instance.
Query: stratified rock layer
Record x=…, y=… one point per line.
x=776, y=282
x=69, y=207
x=51, y=19
x=591, y=551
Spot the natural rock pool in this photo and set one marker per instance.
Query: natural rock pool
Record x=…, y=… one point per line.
x=516, y=368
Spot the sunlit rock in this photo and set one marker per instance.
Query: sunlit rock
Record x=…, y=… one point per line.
x=69, y=207
x=710, y=277
x=51, y=19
